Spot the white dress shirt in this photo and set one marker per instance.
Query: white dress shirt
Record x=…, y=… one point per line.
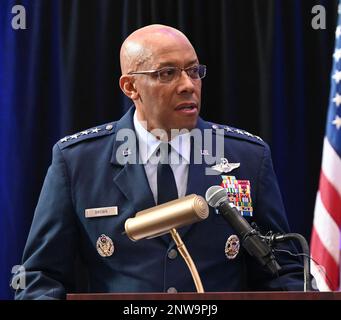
x=179, y=155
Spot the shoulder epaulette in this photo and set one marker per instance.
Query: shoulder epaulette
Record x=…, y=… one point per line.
x=91, y=133
x=235, y=133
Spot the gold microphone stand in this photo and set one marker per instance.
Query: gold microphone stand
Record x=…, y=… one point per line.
x=190, y=264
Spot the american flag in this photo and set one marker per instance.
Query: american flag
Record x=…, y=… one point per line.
x=325, y=240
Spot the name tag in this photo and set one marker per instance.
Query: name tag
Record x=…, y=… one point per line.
x=101, y=212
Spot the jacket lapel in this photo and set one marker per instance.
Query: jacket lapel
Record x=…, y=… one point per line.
x=130, y=178
x=198, y=181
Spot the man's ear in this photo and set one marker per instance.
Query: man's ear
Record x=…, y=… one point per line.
x=127, y=85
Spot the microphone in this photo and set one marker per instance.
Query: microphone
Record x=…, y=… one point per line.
x=216, y=197
x=159, y=220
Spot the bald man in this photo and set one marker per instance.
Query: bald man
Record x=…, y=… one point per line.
x=102, y=176
x=163, y=105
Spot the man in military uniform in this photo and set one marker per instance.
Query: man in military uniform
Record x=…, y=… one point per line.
x=97, y=181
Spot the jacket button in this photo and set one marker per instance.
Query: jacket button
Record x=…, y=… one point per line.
x=172, y=254
x=172, y=290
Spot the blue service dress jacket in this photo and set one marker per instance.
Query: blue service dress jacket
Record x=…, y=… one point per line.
x=62, y=255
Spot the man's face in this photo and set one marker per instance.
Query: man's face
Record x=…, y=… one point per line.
x=172, y=105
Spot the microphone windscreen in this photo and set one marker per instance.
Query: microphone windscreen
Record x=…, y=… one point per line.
x=215, y=195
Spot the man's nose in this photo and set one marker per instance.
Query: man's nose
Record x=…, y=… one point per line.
x=186, y=83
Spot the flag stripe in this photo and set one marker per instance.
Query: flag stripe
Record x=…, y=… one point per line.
x=327, y=229
x=320, y=277
x=330, y=199
x=331, y=165
x=331, y=267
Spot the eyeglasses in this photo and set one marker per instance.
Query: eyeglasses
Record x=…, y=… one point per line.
x=169, y=74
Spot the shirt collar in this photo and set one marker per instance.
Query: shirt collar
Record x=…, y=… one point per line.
x=181, y=144
x=148, y=143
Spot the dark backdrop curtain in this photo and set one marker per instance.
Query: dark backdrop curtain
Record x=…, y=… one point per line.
x=268, y=73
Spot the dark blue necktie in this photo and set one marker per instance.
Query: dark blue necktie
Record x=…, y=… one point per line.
x=166, y=185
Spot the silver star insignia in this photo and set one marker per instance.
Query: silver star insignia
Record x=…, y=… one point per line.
x=74, y=136
x=95, y=130
x=248, y=134
x=225, y=166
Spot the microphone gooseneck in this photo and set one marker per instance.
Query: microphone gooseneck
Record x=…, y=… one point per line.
x=275, y=238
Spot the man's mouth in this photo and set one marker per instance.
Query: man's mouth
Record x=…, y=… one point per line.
x=187, y=107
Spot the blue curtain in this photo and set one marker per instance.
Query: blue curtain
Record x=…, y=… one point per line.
x=268, y=72
x=301, y=65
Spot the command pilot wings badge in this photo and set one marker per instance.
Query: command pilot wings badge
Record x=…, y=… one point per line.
x=225, y=166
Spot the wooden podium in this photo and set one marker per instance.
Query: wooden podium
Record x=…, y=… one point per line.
x=268, y=295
